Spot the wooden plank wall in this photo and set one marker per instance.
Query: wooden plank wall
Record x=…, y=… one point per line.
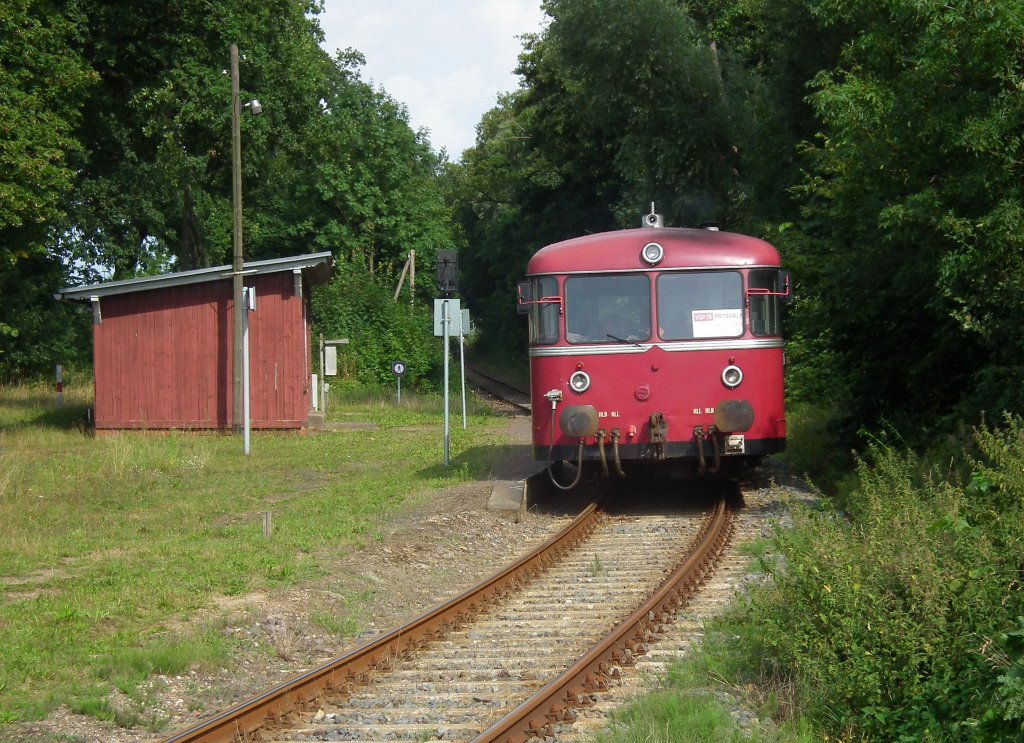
x=278, y=357
x=162, y=358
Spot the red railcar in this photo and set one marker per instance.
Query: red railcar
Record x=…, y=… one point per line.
x=656, y=348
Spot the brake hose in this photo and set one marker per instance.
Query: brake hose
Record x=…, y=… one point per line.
x=600, y=448
x=551, y=450
x=615, y=452
x=701, y=464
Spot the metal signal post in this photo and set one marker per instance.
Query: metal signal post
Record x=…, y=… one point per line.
x=446, y=312
x=445, y=321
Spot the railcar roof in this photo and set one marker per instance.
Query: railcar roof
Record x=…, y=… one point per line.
x=620, y=251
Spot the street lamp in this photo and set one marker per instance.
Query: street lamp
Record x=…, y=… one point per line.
x=236, y=268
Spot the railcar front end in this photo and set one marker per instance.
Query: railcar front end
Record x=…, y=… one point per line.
x=656, y=349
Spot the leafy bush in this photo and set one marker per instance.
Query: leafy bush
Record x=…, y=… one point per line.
x=815, y=446
x=379, y=330
x=887, y=616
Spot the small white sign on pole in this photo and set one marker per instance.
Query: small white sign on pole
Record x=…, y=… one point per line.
x=398, y=368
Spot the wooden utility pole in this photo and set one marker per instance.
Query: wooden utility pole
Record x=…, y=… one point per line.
x=408, y=269
x=236, y=266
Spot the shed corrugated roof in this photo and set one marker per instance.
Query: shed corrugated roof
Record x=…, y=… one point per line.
x=315, y=267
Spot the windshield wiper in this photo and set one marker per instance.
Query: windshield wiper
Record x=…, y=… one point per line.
x=623, y=340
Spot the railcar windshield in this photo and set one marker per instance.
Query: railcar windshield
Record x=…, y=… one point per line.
x=603, y=309
x=706, y=304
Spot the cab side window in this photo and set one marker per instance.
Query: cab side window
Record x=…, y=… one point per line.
x=544, y=316
x=765, y=310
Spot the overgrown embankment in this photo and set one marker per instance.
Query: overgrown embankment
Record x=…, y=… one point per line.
x=894, y=612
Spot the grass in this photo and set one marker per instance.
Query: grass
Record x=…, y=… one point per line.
x=111, y=546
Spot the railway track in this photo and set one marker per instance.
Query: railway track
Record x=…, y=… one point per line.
x=518, y=399
x=521, y=654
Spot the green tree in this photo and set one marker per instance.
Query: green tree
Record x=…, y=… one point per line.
x=357, y=181
x=45, y=332
x=622, y=103
x=155, y=177
x=770, y=50
x=912, y=206
x=42, y=81
x=117, y=148
x=500, y=235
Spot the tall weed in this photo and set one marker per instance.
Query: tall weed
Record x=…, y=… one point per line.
x=997, y=482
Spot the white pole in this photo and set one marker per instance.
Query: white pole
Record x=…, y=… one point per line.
x=462, y=362
x=444, y=322
x=245, y=367
x=323, y=378
x=60, y=386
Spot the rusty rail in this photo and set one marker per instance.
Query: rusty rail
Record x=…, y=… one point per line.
x=499, y=388
x=335, y=675
x=556, y=702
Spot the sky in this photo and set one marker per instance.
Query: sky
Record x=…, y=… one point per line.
x=446, y=60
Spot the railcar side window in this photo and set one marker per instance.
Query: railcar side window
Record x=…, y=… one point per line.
x=605, y=309
x=765, y=311
x=544, y=315
x=706, y=304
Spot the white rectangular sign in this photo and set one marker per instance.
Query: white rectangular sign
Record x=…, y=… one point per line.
x=717, y=323
x=454, y=315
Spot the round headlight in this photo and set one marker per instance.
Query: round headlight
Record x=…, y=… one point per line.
x=732, y=375
x=652, y=254
x=579, y=382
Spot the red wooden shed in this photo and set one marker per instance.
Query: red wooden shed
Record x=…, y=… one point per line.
x=162, y=346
